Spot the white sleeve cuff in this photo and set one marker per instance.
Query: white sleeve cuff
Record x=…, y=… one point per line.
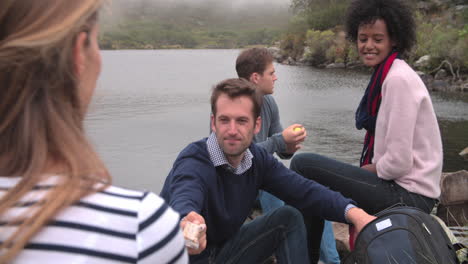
x=347, y=208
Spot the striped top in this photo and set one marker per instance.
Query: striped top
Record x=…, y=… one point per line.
x=115, y=225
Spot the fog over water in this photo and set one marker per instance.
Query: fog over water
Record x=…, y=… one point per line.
x=219, y=6
x=227, y=3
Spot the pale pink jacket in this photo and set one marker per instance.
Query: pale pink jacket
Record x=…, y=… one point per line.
x=408, y=146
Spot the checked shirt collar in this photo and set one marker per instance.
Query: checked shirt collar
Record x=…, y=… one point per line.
x=219, y=159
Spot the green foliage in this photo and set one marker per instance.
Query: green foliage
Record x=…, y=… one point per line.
x=464, y=16
x=327, y=17
x=353, y=55
x=312, y=22
x=318, y=43
x=320, y=14
x=308, y=5
x=442, y=41
x=297, y=25
x=142, y=34
x=141, y=24
x=441, y=33
x=459, y=54
x=463, y=32
x=292, y=46
x=262, y=36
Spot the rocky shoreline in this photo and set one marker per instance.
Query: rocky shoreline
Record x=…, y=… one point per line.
x=435, y=80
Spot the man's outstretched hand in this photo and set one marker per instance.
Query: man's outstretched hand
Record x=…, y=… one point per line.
x=195, y=218
x=359, y=218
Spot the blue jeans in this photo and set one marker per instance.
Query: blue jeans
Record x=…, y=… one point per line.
x=328, y=252
x=269, y=202
x=280, y=232
x=370, y=192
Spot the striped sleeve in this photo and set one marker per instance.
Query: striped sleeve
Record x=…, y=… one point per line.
x=159, y=237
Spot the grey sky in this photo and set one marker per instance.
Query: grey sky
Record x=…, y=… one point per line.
x=224, y=7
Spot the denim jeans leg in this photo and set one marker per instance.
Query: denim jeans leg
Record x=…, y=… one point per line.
x=351, y=181
x=269, y=202
x=328, y=252
x=280, y=232
x=370, y=192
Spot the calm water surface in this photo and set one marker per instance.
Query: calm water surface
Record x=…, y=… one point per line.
x=150, y=104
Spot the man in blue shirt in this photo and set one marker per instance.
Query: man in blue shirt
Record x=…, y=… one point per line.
x=256, y=65
x=215, y=181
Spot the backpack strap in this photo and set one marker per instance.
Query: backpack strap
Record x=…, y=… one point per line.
x=460, y=249
x=462, y=253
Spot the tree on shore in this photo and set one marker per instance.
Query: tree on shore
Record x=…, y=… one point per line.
x=316, y=33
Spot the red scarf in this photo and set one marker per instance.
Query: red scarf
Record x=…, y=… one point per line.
x=366, y=114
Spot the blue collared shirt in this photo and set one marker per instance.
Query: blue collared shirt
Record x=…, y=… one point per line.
x=219, y=159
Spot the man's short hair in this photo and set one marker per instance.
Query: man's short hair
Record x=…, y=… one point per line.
x=235, y=88
x=253, y=60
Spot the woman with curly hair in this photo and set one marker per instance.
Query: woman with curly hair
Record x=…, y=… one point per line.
x=57, y=204
x=401, y=160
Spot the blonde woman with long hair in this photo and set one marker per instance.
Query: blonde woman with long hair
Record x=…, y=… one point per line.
x=57, y=204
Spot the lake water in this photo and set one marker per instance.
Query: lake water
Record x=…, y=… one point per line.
x=149, y=104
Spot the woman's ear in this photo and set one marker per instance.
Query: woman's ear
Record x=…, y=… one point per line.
x=79, y=56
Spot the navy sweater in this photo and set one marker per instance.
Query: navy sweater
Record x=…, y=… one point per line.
x=225, y=199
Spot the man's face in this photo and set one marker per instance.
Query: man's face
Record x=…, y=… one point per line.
x=234, y=125
x=266, y=80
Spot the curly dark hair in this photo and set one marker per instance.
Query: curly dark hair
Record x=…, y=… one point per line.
x=398, y=17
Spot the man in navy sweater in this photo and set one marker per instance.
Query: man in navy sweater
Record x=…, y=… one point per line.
x=215, y=181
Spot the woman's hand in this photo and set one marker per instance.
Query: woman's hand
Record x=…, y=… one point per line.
x=370, y=167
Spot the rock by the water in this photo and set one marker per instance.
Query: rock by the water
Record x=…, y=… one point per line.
x=421, y=74
x=289, y=61
x=356, y=65
x=454, y=187
x=464, y=88
x=440, y=75
x=341, y=232
x=339, y=65
x=422, y=62
x=453, y=207
x=459, y=8
x=275, y=52
x=440, y=85
x=464, y=153
x=454, y=215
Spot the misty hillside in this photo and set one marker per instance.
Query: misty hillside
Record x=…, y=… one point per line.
x=192, y=23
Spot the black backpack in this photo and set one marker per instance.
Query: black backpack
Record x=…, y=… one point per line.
x=402, y=235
